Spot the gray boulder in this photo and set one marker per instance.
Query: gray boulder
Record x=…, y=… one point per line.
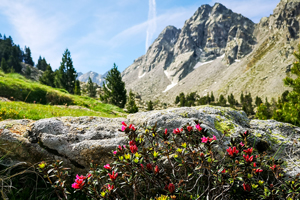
x=79, y=140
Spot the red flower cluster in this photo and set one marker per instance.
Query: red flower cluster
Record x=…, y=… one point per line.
x=171, y=188
x=258, y=170
x=133, y=147
x=79, y=181
x=249, y=151
x=113, y=176
x=232, y=152
x=177, y=130
x=248, y=159
x=125, y=126
x=189, y=128
x=149, y=167
x=247, y=187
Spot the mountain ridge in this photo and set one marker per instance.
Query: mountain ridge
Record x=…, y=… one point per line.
x=218, y=43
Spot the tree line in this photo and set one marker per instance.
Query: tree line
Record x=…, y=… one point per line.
x=11, y=55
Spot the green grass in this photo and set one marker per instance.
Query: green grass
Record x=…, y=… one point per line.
x=27, y=92
x=21, y=110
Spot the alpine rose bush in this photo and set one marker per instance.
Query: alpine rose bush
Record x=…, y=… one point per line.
x=184, y=164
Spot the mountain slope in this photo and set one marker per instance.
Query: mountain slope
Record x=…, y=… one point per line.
x=221, y=51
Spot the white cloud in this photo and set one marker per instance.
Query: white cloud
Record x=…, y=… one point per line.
x=41, y=33
x=151, y=23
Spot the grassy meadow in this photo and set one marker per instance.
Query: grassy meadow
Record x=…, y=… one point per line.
x=36, y=101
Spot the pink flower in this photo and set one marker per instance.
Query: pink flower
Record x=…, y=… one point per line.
x=214, y=137
x=204, y=139
x=166, y=131
x=110, y=187
x=115, y=152
x=242, y=144
x=107, y=166
x=123, y=128
x=79, y=183
x=113, y=176
x=123, y=123
x=254, y=164
x=80, y=177
x=156, y=169
x=198, y=127
x=133, y=149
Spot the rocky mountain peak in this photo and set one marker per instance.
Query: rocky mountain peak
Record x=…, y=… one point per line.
x=284, y=20
x=169, y=34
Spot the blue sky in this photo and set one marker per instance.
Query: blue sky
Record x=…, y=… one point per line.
x=99, y=33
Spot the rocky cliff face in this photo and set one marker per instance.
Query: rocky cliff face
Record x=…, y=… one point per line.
x=221, y=51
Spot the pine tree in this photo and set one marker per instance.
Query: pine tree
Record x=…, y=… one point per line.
x=258, y=101
x=242, y=98
x=48, y=77
x=212, y=98
x=91, y=89
x=231, y=100
x=290, y=110
x=222, y=100
x=182, y=99
x=42, y=64
x=150, y=105
x=131, y=106
x=66, y=75
x=77, y=89
x=177, y=100
x=14, y=63
x=114, y=88
x=4, y=66
x=27, y=56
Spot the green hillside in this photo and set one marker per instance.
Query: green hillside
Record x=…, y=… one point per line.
x=36, y=101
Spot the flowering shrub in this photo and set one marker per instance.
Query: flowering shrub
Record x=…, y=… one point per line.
x=184, y=164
